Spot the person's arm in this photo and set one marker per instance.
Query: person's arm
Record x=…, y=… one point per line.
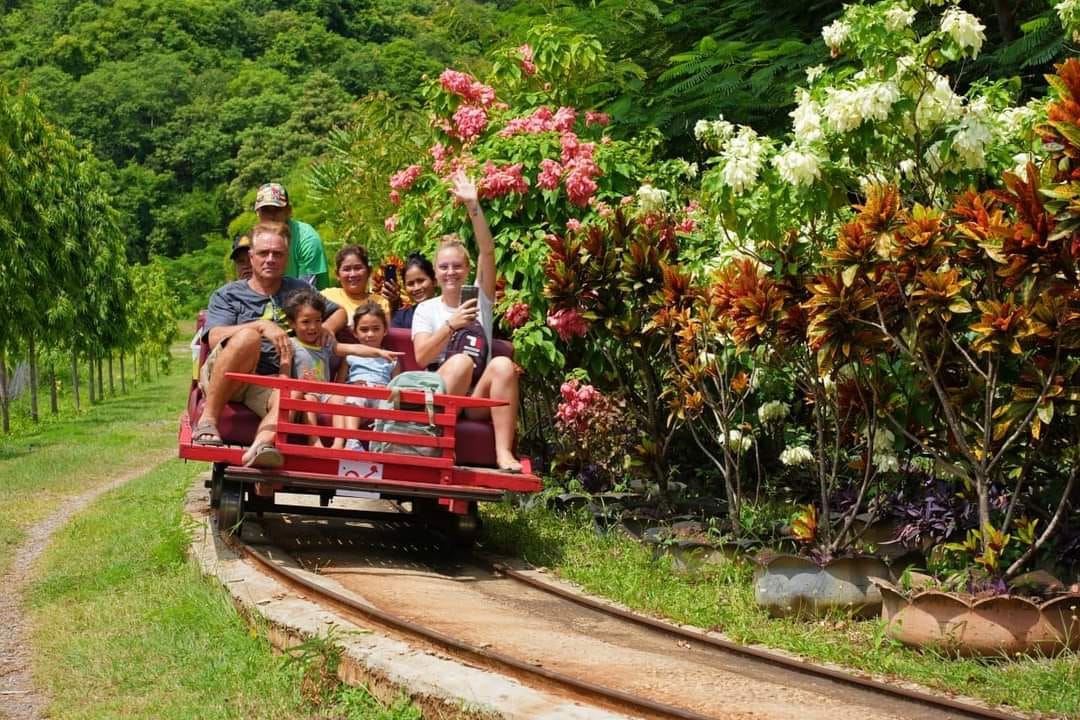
x=429, y=340
x=221, y=320
x=464, y=189
x=343, y=349
x=335, y=321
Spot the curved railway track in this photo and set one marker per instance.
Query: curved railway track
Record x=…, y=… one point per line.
x=891, y=700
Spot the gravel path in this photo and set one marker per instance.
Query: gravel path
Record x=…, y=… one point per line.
x=19, y=699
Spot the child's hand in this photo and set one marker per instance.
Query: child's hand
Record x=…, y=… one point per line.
x=309, y=375
x=388, y=354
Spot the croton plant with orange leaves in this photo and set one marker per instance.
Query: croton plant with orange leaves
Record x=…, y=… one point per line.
x=977, y=305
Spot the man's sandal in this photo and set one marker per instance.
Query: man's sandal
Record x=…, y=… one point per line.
x=264, y=455
x=206, y=433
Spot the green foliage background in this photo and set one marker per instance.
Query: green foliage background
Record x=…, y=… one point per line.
x=192, y=103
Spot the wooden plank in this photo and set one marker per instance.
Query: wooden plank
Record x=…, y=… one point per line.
x=370, y=435
x=414, y=397
x=332, y=454
x=442, y=419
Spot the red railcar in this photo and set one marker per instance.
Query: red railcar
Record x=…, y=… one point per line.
x=444, y=488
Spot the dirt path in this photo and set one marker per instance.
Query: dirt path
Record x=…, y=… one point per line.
x=19, y=699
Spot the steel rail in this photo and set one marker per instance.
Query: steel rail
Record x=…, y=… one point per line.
x=799, y=666
x=613, y=697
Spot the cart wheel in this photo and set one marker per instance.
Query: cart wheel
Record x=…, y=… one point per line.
x=230, y=512
x=217, y=478
x=464, y=529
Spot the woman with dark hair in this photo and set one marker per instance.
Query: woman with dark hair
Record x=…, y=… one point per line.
x=419, y=278
x=353, y=273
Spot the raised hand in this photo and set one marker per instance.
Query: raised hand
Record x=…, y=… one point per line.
x=463, y=188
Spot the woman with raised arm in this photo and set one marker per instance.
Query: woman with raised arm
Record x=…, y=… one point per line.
x=446, y=323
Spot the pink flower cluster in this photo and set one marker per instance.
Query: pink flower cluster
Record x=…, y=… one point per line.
x=550, y=174
x=499, y=181
x=579, y=403
x=568, y=323
x=440, y=153
x=596, y=118
x=517, y=315
x=577, y=159
x=404, y=179
x=542, y=120
x=469, y=121
x=390, y=223
x=466, y=86
x=527, y=65
x=395, y=197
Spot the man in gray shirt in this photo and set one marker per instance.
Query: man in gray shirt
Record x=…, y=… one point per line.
x=247, y=331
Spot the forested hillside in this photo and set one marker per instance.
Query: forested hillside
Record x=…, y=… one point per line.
x=193, y=103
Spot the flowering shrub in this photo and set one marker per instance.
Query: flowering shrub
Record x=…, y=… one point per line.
x=594, y=434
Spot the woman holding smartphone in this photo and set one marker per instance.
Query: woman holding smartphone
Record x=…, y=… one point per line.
x=459, y=309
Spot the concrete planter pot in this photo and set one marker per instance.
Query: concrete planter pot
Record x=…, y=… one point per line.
x=792, y=585
x=689, y=554
x=961, y=624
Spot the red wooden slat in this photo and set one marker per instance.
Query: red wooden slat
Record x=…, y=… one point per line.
x=414, y=397
x=332, y=454
x=371, y=435
x=442, y=419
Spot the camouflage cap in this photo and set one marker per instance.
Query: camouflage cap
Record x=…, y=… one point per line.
x=271, y=195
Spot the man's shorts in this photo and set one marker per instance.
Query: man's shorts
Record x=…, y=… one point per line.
x=256, y=397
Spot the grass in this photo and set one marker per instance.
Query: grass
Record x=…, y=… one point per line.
x=722, y=598
x=123, y=625
x=44, y=464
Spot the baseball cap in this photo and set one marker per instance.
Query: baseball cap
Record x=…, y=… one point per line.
x=240, y=242
x=272, y=195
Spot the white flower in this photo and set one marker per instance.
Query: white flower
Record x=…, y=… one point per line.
x=1021, y=160
x=1069, y=12
x=651, y=199
x=970, y=142
x=795, y=456
x=935, y=161
x=713, y=132
x=938, y=104
x=1015, y=121
x=815, y=71
x=797, y=167
x=772, y=412
x=884, y=456
x=835, y=34
x=739, y=443
x=907, y=167
x=964, y=28
x=806, y=119
x=742, y=159
x=899, y=17
x=847, y=109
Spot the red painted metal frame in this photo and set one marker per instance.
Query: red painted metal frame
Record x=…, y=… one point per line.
x=402, y=475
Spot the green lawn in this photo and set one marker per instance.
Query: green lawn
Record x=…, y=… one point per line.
x=42, y=466
x=123, y=625
x=722, y=598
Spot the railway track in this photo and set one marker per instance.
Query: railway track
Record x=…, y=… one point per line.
x=395, y=565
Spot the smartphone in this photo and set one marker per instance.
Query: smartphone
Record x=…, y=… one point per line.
x=469, y=292
x=389, y=273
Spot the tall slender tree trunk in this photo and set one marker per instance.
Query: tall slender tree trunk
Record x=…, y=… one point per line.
x=5, y=418
x=100, y=382
x=75, y=379
x=54, y=401
x=123, y=382
x=32, y=349
x=90, y=377
x=112, y=388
